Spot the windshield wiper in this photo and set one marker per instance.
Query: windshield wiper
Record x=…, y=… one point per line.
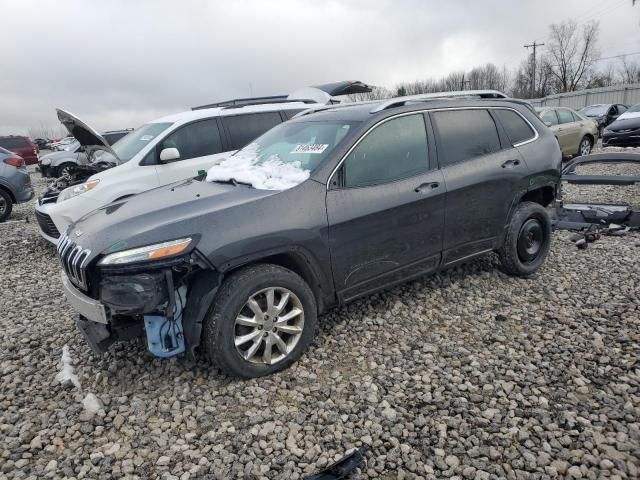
x=233, y=181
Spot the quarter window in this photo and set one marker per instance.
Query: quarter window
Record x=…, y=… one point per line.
x=564, y=116
x=245, y=128
x=394, y=150
x=197, y=139
x=518, y=130
x=465, y=134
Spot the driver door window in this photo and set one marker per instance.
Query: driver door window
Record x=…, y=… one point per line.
x=394, y=150
x=194, y=140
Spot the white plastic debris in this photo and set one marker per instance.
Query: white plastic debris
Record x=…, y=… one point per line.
x=66, y=375
x=92, y=404
x=271, y=174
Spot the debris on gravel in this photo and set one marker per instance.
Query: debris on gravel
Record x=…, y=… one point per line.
x=469, y=374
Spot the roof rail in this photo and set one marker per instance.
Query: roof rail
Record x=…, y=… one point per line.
x=321, y=107
x=400, y=101
x=242, y=101
x=265, y=102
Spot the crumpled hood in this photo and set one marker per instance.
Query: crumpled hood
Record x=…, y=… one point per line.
x=58, y=155
x=165, y=213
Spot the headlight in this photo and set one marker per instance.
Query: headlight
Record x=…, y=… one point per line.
x=606, y=130
x=45, y=161
x=156, y=251
x=76, y=190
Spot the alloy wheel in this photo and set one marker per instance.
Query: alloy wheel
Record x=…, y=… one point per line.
x=269, y=326
x=585, y=147
x=3, y=205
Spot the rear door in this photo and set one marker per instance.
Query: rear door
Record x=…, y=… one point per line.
x=200, y=145
x=386, y=211
x=482, y=173
x=569, y=131
x=242, y=129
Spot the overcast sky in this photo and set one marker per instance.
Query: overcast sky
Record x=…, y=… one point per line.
x=120, y=63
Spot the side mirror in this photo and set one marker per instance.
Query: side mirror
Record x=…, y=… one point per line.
x=169, y=155
x=548, y=124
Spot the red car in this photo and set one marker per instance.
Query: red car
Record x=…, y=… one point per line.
x=23, y=146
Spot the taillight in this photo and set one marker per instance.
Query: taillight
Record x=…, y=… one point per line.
x=14, y=162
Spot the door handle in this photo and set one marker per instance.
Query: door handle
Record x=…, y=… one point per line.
x=511, y=163
x=426, y=187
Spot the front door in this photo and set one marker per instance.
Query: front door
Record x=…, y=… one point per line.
x=482, y=175
x=386, y=213
x=200, y=146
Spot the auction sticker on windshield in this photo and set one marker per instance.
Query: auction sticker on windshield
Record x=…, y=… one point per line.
x=310, y=148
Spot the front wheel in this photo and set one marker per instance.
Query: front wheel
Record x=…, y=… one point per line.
x=584, y=148
x=263, y=318
x=527, y=240
x=66, y=169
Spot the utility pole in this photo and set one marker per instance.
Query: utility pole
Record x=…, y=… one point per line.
x=463, y=82
x=534, y=45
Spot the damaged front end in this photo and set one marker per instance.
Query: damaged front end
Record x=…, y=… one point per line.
x=594, y=218
x=163, y=300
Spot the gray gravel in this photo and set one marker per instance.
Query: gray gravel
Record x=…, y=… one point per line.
x=469, y=374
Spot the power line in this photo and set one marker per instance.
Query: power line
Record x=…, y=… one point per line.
x=534, y=45
x=618, y=56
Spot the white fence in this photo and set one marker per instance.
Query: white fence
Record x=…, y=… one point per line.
x=628, y=94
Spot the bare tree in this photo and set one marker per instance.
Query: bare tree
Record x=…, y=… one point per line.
x=572, y=52
x=522, y=80
x=629, y=71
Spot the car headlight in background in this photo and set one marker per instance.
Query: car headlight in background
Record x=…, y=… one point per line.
x=76, y=190
x=45, y=161
x=157, y=251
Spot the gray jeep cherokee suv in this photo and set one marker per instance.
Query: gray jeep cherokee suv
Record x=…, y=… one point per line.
x=327, y=207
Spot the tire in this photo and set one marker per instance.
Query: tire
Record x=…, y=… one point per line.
x=222, y=332
x=62, y=168
x=527, y=240
x=6, y=205
x=585, y=146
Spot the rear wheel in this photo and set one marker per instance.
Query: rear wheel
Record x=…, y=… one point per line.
x=584, y=148
x=263, y=319
x=6, y=205
x=527, y=241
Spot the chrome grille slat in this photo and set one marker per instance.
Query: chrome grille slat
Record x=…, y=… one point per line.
x=73, y=259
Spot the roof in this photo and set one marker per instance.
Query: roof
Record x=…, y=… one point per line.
x=362, y=111
x=229, y=110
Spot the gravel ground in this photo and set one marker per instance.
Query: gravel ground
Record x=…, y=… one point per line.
x=467, y=374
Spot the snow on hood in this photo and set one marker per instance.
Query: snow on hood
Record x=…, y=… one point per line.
x=270, y=174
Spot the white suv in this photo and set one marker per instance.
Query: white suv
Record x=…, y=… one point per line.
x=166, y=150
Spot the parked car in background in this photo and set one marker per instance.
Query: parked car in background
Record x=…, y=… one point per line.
x=576, y=134
x=15, y=182
x=603, y=113
x=625, y=131
x=21, y=145
x=41, y=143
x=164, y=151
x=63, y=144
x=325, y=208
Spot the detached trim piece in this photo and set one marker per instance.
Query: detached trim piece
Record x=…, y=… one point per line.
x=580, y=216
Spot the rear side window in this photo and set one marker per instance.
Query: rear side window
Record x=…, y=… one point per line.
x=196, y=139
x=550, y=117
x=16, y=142
x=291, y=113
x=394, y=150
x=576, y=117
x=518, y=130
x=564, y=116
x=465, y=134
x=245, y=128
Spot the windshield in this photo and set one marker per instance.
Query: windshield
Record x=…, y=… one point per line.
x=594, y=110
x=283, y=157
x=128, y=146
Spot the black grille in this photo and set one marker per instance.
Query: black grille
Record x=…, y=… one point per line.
x=74, y=261
x=47, y=225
